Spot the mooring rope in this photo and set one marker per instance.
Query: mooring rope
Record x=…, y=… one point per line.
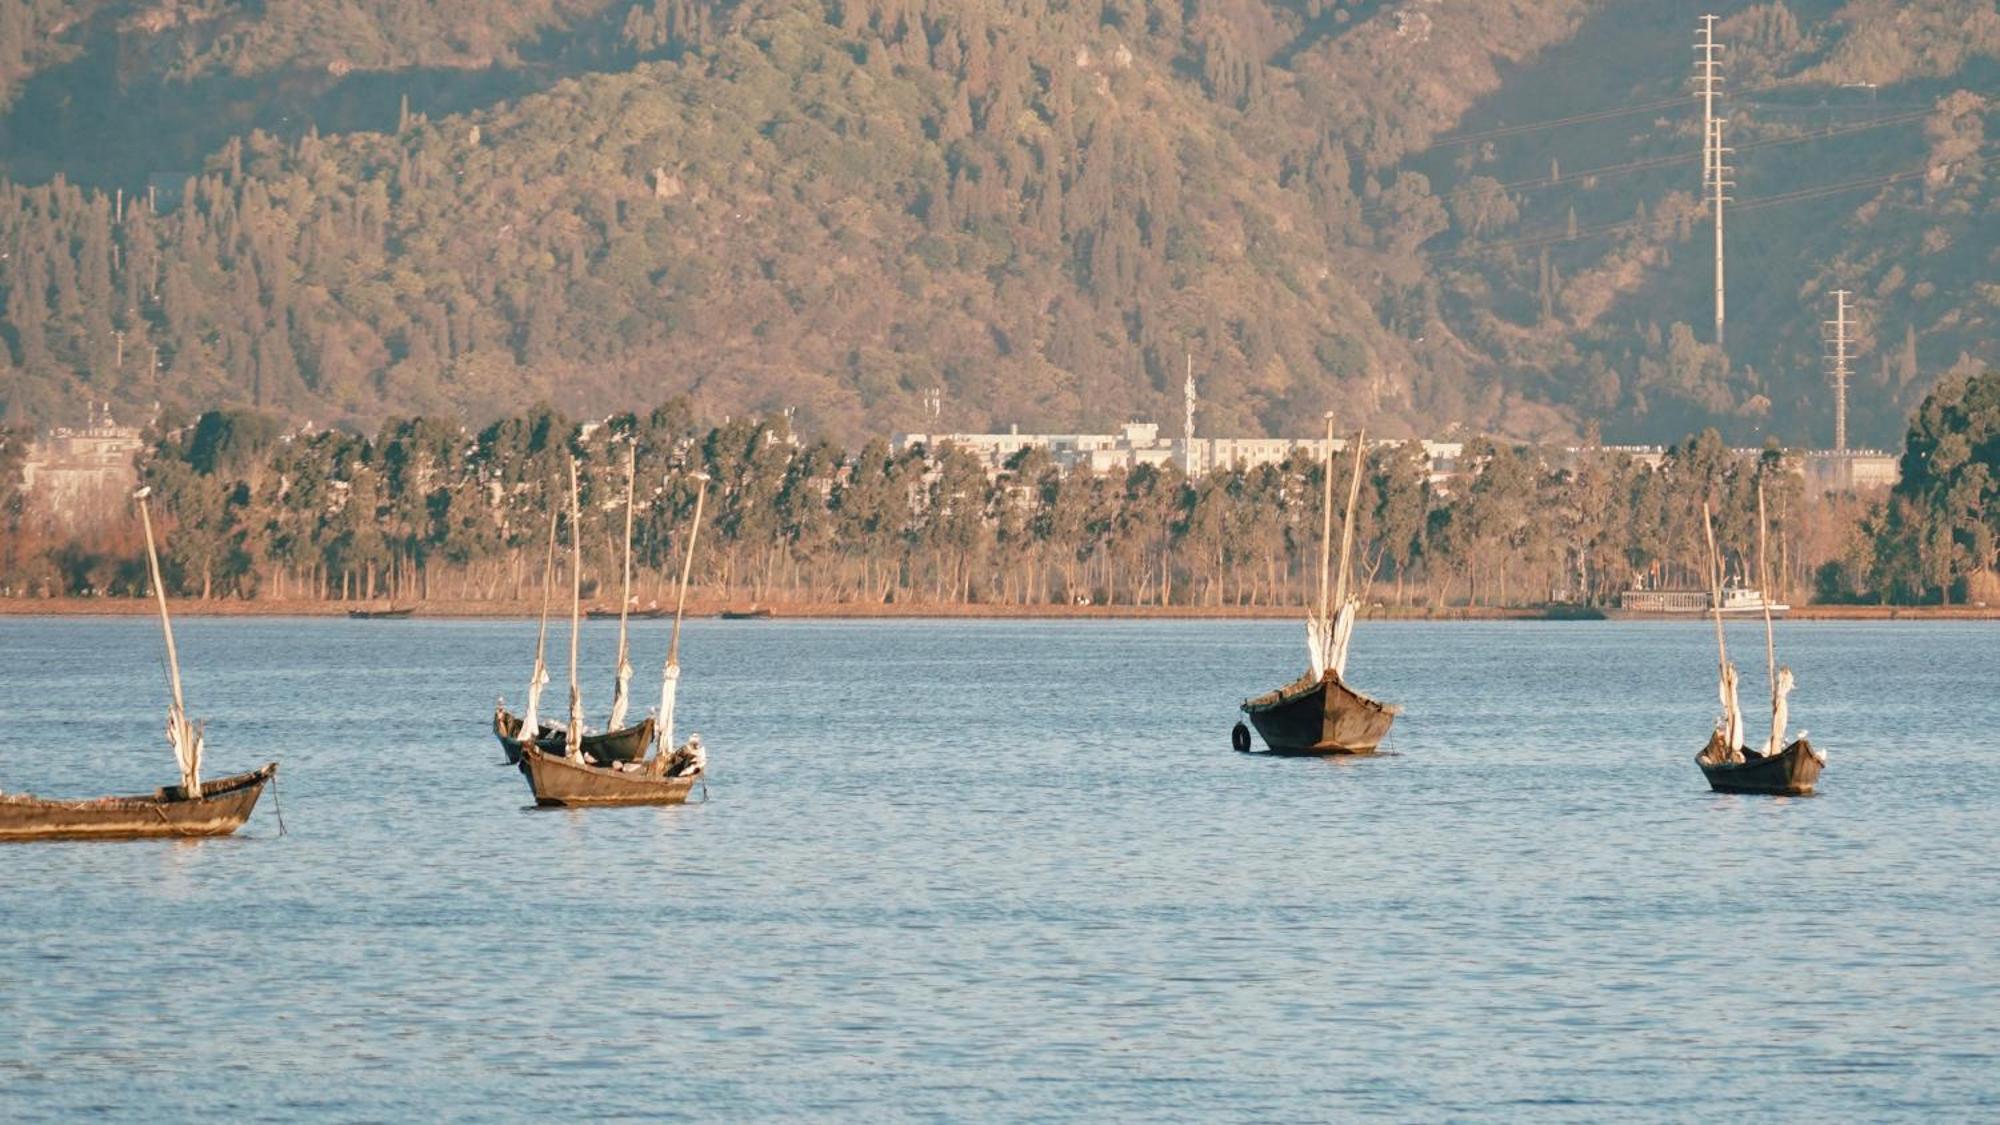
x=277, y=806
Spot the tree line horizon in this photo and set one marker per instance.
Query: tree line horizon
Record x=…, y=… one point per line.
x=427, y=510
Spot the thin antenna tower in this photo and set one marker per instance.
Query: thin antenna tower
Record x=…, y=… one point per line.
x=1840, y=357
x=1188, y=431
x=1719, y=183
x=1708, y=83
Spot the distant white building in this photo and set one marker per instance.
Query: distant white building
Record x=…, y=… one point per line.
x=1140, y=443
x=80, y=476
x=1852, y=470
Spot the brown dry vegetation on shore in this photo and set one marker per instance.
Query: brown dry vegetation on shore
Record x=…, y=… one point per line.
x=195, y=607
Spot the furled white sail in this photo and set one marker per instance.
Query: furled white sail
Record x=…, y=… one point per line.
x=1319, y=644
x=1343, y=632
x=621, y=698
x=186, y=739
x=621, y=695
x=670, y=683
x=531, y=721
x=1732, y=711
x=1780, y=711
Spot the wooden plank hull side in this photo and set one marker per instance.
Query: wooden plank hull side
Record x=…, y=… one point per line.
x=558, y=782
x=222, y=808
x=627, y=745
x=1792, y=772
x=1320, y=717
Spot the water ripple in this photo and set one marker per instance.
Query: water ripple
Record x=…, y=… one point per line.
x=1001, y=869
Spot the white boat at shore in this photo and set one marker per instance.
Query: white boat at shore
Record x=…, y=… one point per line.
x=1737, y=601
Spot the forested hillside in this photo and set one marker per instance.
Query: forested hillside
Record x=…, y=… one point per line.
x=348, y=209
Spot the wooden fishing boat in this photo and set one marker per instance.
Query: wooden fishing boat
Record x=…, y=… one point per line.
x=627, y=745
x=1792, y=772
x=373, y=614
x=223, y=806
x=192, y=808
x=1780, y=767
x=569, y=778
x=619, y=744
x=507, y=730
x=506, y=725
x=558, y=781
x=1319, y=713
x=651, y=613
x=1319, y=716
x=754, y=613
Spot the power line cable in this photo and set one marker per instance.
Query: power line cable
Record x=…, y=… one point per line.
x=1797, y=196
x=1537, y=126
x=1655, y=162
x=1579, y=118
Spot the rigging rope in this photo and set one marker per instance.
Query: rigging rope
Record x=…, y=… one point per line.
x=276, y=806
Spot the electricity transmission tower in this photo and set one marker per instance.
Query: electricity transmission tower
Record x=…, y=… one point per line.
x=1719, y=183
x=1840, y=357
x=1708, y=83
x=1714, y=173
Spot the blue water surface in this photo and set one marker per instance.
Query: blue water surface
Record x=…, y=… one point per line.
x=1012, y=870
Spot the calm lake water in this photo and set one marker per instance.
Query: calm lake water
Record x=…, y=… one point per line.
x=1001, y=869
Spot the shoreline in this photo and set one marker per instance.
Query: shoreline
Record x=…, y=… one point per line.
x=191, y=607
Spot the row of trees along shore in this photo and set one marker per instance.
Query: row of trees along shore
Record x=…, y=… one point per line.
x=429, y=511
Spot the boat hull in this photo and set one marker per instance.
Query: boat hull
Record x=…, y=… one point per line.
x=1792, y=772
x=1320, y=717
x=627, y=745
x=1620, y=613
x=558, y=782
x=222, y=808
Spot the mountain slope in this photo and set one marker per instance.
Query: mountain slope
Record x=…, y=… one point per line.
x=1043, y=210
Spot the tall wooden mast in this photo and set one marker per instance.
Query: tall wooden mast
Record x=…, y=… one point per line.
x=1347, y=524
x=620, y=699
x=670, y=678
x=186, y=740
x=531, y=718
x=575, y=733
x=1326, y=527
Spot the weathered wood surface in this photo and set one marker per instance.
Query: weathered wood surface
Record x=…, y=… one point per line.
x=627, y=745
x=1322, y=716
x=557, y=781
x=1792, y=772
x=222, y=808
